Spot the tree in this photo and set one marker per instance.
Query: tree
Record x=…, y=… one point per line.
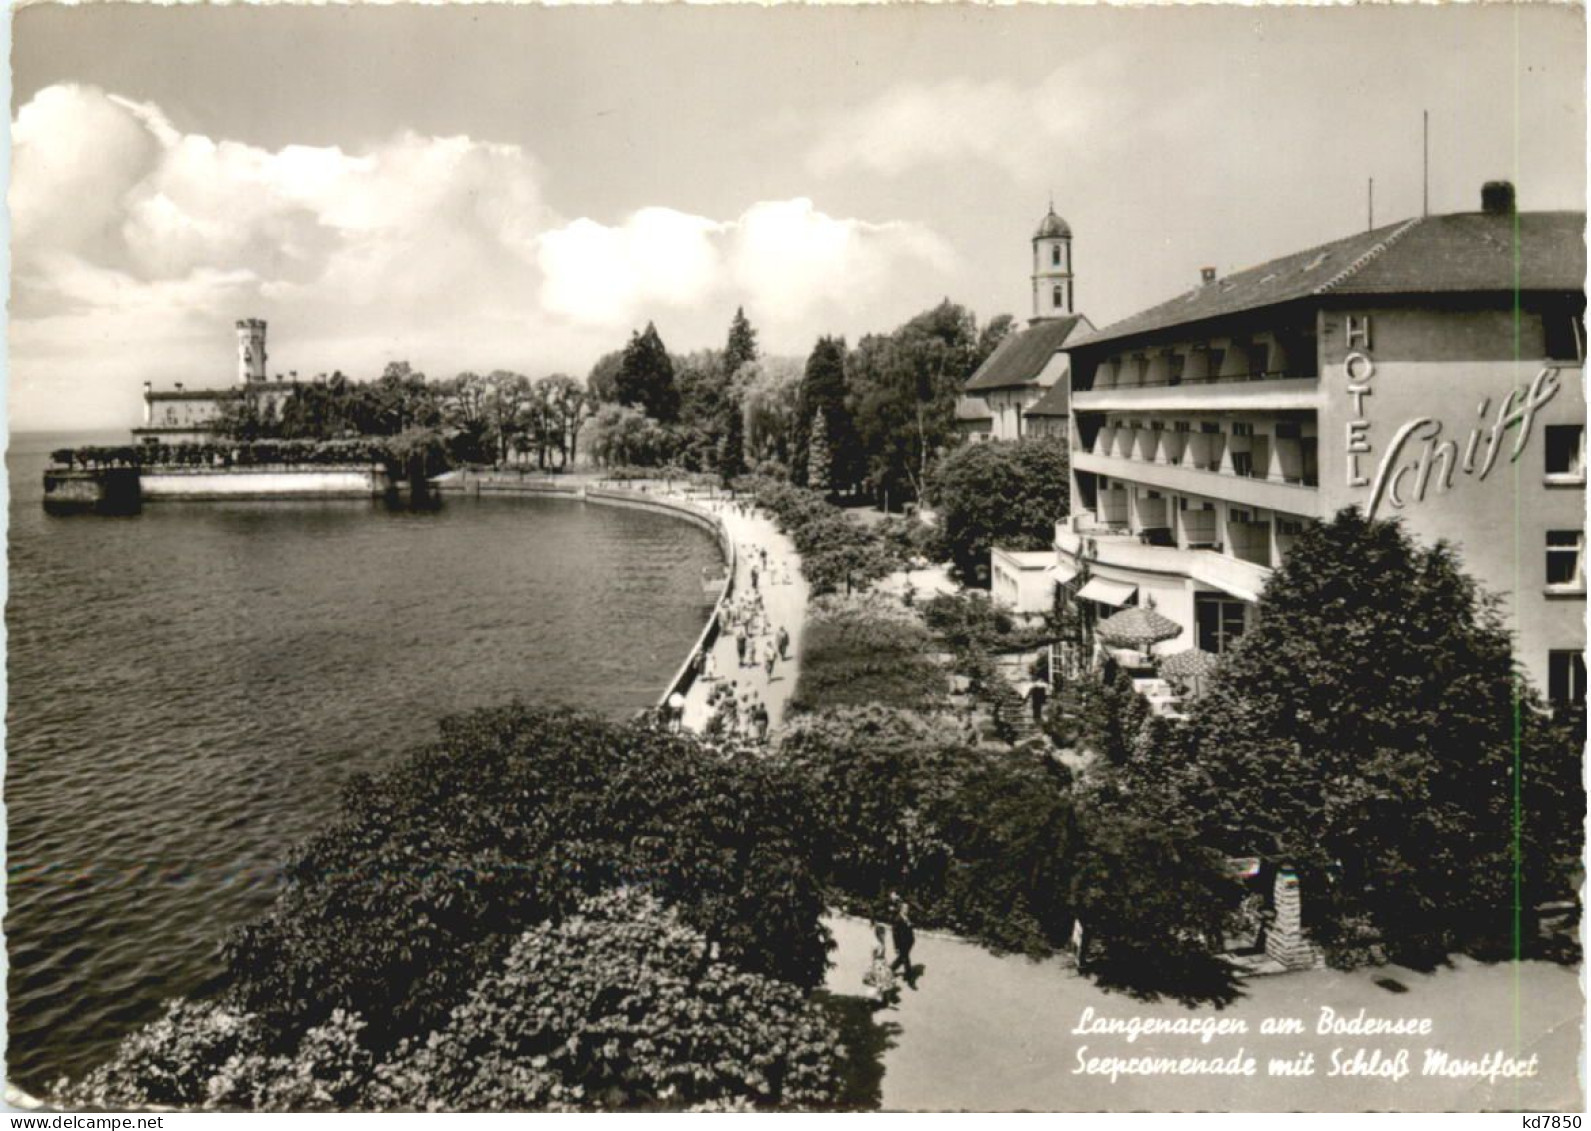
x=567, y=405
x=510, y=819
x=741, y=348
x=645, y=379
x=621, y=435
x=703, y=387
x=998, y=330
x=819, y=470
x=991, y=495
x=603, y=381
x=823, y=389
x=1371, y=731
x=467, y=413
x=905, y=389
x=620, y=1007
x=770, y=389
x=511, y=411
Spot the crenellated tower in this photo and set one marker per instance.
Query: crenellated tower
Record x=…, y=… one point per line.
x=251, y=350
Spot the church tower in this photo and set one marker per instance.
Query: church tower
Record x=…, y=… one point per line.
x=1052, y=268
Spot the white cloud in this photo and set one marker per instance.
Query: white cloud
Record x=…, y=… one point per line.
x=1025, y=130
x=136, y=245
x=783, y=258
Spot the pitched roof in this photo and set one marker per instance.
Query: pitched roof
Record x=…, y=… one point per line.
x=1018, y=360
x=1057, y=401
x=972, y=410
x=1462, y=253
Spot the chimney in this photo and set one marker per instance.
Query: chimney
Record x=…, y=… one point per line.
x=1206, y=274
x=179, y=385
x=1497, y=198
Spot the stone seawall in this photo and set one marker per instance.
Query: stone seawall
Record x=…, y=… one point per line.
x=183, y=483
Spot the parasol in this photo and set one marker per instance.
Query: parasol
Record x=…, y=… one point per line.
x=1137, y=627
x=1194, y=663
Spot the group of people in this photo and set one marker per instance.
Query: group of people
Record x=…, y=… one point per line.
x=735, y=711
x=880, y=977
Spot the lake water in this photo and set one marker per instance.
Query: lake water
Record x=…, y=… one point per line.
x=190, y=687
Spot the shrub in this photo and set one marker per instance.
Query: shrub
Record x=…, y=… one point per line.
x=511, y=819
x=622, y=1006
x=979, y=844
x=865, y=651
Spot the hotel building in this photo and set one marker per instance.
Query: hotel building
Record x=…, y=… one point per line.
x=1431, y=370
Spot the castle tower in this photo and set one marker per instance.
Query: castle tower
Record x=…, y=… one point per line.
x=1052, y=268
x=251, y=350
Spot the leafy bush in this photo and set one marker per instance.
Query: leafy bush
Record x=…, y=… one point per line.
x=970, y=620
x=863, y=651
x=1154, y=902
x=836, y=553
x=619, y=1007
x=511, y=819
x=999, y=494
x=978, y=844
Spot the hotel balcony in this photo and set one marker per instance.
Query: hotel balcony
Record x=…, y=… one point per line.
x=1116, y=548
x=1269, y=494
x=1266, y=392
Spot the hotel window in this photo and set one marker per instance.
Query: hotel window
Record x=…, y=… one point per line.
x=1566, y=677
x=1243, y=464
x=1182, y=426
x=1241, y=429
x=1235, y=515
x=1564, y=336
x=1564, y=551
x=1565, y=446
x=1219, y=621
x=1210, y=427
x=1175, y=364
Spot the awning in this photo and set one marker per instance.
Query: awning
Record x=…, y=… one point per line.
x=1114, y=593
x=1062, y=574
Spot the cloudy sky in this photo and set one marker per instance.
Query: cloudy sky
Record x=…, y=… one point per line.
x=501, y=187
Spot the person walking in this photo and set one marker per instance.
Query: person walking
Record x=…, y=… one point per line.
x=784, y=643
x=772, y=654
x=753, y=579
x=740, y=643
x=905, y=937
x=880, y=976
x=760, y=714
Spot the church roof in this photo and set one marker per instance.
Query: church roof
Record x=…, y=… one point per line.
x=1464, y=253
x=971, y=410
x=1052, y=227
x=1056, y=401
x=1018, y=360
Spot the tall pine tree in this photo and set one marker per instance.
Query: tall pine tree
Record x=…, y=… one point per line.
x=820, y=466
x=823, y=391
x=646, y=377
x=739, y=351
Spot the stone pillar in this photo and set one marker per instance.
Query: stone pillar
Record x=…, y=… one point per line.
x=1284, y=942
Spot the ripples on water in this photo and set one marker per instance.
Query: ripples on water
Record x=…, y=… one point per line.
x=190, y=687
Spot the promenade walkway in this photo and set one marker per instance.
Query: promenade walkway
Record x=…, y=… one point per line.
x=784, y=599
x=995, y=1033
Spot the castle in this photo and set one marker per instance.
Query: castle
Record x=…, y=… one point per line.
x=178, y=415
